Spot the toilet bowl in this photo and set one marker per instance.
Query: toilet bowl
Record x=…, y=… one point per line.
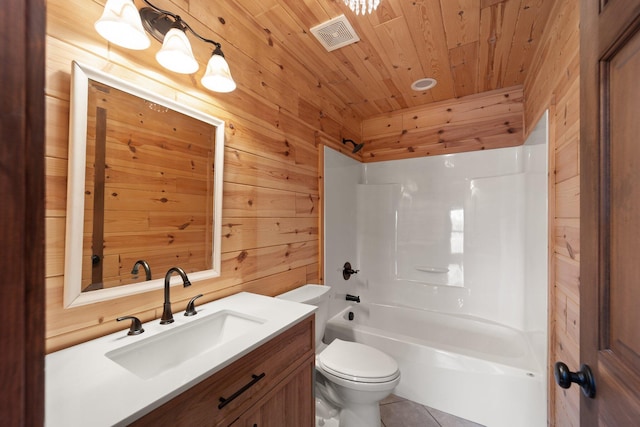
x=351, y=378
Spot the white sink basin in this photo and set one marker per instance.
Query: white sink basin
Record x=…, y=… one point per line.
x=167, y=350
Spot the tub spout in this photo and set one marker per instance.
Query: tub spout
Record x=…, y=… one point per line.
x=355, y=298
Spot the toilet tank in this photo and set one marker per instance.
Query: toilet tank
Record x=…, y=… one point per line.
x=317, y=295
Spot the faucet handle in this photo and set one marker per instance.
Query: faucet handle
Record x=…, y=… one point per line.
x=191, y=306
x=347, y=271
x=136, y=325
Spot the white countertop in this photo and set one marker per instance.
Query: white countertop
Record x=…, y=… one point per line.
x=84, y=387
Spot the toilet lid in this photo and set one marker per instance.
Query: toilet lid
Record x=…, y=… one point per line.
x=357, y=362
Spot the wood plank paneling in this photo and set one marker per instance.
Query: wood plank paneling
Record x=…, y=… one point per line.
x=400, y=42
x=54, y=238
x=556, y=62
x=270, y=209
x=497, y=30
x=553, y=81
x=271, y=46
x=531, y=22
x=568, y=198
x=425, y=18
x=567, y=237
x=255, y=170
x=464, y=68
x=247, y=233
x=489, y=120
x=250, y=201
x=56, y=186
x=461, y=21
x=568, y=276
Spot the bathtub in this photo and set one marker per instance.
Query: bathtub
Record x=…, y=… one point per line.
x=474, y=369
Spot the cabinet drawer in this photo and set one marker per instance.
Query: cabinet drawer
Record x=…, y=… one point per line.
x=221, y=398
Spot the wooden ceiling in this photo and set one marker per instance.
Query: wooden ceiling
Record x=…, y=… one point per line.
x=469, y=46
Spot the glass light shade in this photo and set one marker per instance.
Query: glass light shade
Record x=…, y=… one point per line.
x=362, y=6
x=176, y=54
x=120, y=24
x=218, y=76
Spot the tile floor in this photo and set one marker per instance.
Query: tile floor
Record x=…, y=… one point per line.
x=398, y=412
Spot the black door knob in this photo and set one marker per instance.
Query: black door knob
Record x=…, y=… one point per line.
x=584, y=378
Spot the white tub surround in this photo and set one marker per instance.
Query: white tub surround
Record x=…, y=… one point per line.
x=460, y=234
x=463, y=233
x=341, y=177
x=83, y=386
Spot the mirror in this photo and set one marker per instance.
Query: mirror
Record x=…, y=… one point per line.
x=145, y=184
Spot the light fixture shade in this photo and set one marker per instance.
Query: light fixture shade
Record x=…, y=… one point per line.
x=218, y=76
x=176, y=54
x=120, y=24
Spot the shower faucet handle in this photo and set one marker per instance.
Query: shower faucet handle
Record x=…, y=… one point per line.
x=347, y=271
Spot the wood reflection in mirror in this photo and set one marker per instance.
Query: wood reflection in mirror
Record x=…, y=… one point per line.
x=148, y=189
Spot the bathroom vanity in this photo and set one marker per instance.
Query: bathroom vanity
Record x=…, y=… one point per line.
x=272, y=385
x=244, y=360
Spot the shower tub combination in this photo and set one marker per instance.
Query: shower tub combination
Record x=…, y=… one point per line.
x=474, y=369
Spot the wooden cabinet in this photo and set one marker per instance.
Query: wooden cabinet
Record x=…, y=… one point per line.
x=288, y=405
x=270, y=386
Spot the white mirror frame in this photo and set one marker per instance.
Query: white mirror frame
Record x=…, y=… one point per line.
x=73, y=295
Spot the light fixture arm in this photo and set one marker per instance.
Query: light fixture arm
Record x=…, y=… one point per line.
x=164, y=12
x=185, y=26
x=215, y=43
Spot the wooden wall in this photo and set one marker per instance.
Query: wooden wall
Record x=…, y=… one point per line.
x=476, y=122
x=553, y=83
x=270, y=223
x=272, y=196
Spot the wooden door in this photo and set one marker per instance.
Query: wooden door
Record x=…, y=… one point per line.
x=22, y=213
x=610, y=210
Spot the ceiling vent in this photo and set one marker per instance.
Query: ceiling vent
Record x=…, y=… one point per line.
x=335, y=33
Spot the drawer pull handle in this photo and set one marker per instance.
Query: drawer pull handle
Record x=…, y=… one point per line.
x=255, y=378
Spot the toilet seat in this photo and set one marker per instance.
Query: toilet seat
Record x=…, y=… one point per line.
x=357, y=362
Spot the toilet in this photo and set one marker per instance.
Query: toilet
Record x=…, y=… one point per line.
x=351, y=378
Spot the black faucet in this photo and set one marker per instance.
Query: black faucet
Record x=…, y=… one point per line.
x=353, y=298
x=167, y=315
x=145, y=265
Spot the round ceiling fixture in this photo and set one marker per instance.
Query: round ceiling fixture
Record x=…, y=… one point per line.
x=423, y=84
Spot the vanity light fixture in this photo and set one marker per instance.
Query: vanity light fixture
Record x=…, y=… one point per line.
x=122, y=24
x=362, y=6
